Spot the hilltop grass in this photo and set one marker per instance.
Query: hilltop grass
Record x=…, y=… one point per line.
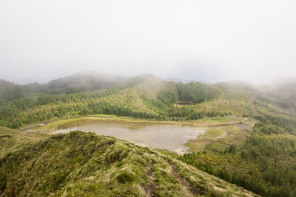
x=84, y=164
x=12, y=140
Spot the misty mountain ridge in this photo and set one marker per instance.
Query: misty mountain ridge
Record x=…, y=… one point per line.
x=92, y=80
x=11, y=91
x=82, y=81
x=147, y=85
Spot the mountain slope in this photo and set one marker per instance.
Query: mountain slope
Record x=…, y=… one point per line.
x=10, y=91
x=86, y=164
x=145, y=96
x=280, y=98
x=84, y=81
x=11, y=140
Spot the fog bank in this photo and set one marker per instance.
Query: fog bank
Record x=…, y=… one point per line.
x=200, y=40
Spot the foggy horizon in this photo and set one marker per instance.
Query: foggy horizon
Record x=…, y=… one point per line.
x=274, y=81
x=210, y=41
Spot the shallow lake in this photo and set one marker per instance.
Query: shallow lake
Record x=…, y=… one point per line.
x=168, y=136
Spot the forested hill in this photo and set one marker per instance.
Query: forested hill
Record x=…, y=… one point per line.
x=282, y=95
x=84, y=81
x=10, y=91
x=145, y=96
x=84, y=164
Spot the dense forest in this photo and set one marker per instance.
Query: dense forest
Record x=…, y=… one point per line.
x=131, y=98
x=197, y=92
x=10, y=91
x=264, y=163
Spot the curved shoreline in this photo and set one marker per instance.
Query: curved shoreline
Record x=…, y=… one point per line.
x=221, y=130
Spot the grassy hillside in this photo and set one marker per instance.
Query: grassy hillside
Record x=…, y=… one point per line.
x=277, y=105
x=278, y=99
x=11, y=140
x=282, y=95
x=84, y=164
x=230, y=102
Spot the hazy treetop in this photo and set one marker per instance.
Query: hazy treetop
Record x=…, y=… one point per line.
x=210, y=40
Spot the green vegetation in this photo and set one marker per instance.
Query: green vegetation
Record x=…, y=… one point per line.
x=145, y=97
x=79, y=82
x=166, y=97
x=84, y=164
x=255, y=150
x=10, y=91
x=196, y=92
x=278, y=106
x=11, y=140
x=264, y=163
x=276, y=115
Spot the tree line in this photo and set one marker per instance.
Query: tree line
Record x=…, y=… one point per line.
x=265, y=163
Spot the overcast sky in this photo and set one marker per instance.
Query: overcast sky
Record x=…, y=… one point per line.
x=209, y=40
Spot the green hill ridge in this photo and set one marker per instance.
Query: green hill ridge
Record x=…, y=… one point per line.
x=145, y=96
x=85, y=164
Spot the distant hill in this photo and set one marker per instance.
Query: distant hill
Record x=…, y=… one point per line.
x=10, y=91
x=84, y=164
x=84, y=81
x=281, y=97
x=286, y=91
x=145, y=96
x=235, y=85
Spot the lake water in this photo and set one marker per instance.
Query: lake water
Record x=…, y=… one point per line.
x=168, y=136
